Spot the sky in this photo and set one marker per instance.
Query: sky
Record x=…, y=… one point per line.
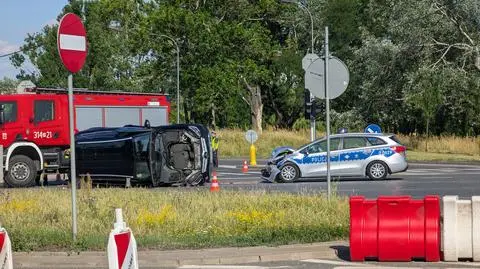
x=17, y=19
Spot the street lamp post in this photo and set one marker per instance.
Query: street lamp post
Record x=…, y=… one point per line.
x=115, y=25
x=178, y=72
x=303, y=7
x=309, y=14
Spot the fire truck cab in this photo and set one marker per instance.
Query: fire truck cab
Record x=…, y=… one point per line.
x=34, y=125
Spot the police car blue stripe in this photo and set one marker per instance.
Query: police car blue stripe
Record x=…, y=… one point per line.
x=345, y=157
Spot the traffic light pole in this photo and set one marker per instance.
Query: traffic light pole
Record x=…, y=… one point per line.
x=312, y=118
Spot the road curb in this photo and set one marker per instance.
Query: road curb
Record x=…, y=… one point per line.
x=446, y=162
x=174, y=258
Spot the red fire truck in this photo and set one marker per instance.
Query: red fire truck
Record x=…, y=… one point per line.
x=34, y=125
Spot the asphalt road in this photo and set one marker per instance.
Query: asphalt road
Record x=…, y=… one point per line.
x=334, y=264
x=419, y=180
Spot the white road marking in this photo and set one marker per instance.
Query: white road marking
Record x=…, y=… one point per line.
x=442, y=172
x=227, y=166
x=376, y=267
x=447, y=165
x=239, y=173
x=335, y=262
x=250, y=182
x=437, y=177
x=476, y=264
x=447, y=170
x=236, y=178
x=229, y=267
x=438, y=174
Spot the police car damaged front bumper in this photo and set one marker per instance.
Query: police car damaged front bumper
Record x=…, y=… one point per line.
x=270, y=173
x=271, y=170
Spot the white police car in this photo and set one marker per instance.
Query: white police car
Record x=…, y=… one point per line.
x=351, y=154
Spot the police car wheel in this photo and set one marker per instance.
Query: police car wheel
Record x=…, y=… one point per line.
x=289, y=173
x=22, y=172
x=377, y=170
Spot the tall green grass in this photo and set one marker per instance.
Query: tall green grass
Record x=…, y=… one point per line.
x=234, y=144
x=40, y=219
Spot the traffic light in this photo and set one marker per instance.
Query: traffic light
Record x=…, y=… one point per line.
x=311, y=106
x=307, y=105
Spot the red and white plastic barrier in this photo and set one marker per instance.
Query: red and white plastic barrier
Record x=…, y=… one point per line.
x=122, y=247
x=461, y=228
x=395, y=228
x=5, y=250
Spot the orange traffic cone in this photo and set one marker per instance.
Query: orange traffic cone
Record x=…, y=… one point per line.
x=245, y=167
x=214, y=187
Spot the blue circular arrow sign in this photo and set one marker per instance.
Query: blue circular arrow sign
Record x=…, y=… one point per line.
x=373, y=128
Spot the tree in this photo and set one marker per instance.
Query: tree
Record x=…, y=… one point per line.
x=111, y=63
x=229, y=34
x=241, y=60
x=8, y=85
x=426, y=93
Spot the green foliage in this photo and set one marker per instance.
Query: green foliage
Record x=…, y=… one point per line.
x=8, y=85
x=301, y=124
x=348, y=119
x=412, y=63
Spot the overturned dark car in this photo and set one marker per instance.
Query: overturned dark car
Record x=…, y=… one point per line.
x=144, y=155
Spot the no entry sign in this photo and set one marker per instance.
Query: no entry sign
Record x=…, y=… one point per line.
x=72, y=47
x=72, y=42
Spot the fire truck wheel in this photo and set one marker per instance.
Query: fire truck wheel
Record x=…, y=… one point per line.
x=21, y=172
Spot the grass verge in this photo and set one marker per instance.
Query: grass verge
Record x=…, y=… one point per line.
x=440, y=148
x=40, y=219
x=441, y=157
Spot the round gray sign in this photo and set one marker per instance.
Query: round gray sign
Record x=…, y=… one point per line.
x=308, y=59
x=251, y=136
x=338, y=78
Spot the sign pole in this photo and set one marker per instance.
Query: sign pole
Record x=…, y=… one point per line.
x=327, y=103
x=312, y=119
x=73, y=176
x=313, y=125
x=72, y=48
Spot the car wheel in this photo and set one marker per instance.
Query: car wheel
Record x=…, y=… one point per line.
x=377, y=170
x=196, y=180
x=21, y=172
x=289, y=173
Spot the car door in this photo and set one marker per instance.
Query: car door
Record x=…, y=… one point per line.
x=334, y=147
x=47, y=129
x=351, y=156
x=142, y=163
x=13, y=127
x=156, y=159
x=314, y=162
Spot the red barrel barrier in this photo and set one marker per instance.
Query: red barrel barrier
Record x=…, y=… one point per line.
x=395, y=228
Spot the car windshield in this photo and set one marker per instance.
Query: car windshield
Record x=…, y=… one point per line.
x=316, y=140
x=9, y=110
